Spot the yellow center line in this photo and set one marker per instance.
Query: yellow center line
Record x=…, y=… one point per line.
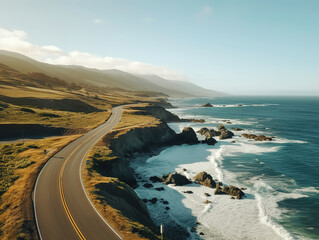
x=75, y=226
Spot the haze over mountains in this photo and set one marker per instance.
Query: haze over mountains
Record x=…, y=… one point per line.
x=106, y=78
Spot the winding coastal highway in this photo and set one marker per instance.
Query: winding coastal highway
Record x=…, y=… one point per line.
x=61, y=205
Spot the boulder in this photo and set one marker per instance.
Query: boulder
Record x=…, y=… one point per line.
x=203, y=130
x=153, y=200
x=188, y=191
x=221, y=126
x=188, y=136
x=165, y=202
x=233, y=191
x=148, y=185
x=207, y=202
x=155, y=179
x=205, y=179
x=177, y=179
x=257, y=138
x=238, y=129
x=207, y=105
x=207, y=194
x=210, y=141
x=219, y=191
x=224, y=134
x=160, y=189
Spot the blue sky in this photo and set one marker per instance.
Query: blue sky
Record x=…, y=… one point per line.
x=239, y=47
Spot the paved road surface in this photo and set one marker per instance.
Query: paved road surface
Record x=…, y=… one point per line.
x=62, y=208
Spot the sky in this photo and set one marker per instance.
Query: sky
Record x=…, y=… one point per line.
x=247, y=47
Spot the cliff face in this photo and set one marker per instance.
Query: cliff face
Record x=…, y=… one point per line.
x=141, y=139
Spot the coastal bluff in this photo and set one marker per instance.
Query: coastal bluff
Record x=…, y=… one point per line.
x=143, y=127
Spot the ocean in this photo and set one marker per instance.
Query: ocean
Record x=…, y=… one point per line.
x=281, y=176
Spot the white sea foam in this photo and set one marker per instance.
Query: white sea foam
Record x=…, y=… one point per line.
x=223, y=218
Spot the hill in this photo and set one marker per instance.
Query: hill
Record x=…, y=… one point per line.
x=104, y=78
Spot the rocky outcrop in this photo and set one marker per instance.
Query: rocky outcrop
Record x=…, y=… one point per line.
x=225, y=134
x=123, y=198
x=175, y=178
x=257, y=137
x=139, y=139
x=205, y=179
x=188, y=136
x=233, y=191
x=222, y=132
x=157, y=112
x=207, y=105
x=230, y=190
x=238, y=129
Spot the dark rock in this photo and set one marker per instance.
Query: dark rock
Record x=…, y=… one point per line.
x=184, y=169
x=207, y=194
x=205, y=179
x=188, y=191
x=155, y=179
x=207, y=105
x=187, y=136
x=257, y=138
x=203, y=130
x=232, y=197
x=160, y=189
x=167, y=208
x=153, y=200
x=145, y=200
x=219, y=191
x=177, y=179
x=233, y=141
x=148, y=185
x=207, y=202
x=224, y=134
x=210, y=141
x=165, y=202
x=221, y=127
x=233, y=191
x=201, y=233
x=240, y=105
x=238, y=129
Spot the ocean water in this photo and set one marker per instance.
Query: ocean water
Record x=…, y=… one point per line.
x=281, y=176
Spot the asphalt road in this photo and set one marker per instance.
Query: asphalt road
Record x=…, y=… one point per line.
x=62, y=208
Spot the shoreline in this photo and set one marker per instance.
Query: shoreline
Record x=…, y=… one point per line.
x=190, y=228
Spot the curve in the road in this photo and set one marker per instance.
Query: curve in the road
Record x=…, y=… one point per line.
x=62, y=207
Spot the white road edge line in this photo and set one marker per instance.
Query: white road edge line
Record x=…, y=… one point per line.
x=80, y=175
x=34, y=205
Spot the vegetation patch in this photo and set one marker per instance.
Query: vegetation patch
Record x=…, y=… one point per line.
x=51, y=115
x=20, y=164
x=28, y=110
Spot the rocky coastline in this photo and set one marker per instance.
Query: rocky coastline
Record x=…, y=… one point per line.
x=155, y=138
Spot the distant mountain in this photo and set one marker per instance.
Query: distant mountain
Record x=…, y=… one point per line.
x=184, y=86
x=104, y=78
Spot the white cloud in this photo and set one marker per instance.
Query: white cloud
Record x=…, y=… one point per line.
x=16, y=41
x=98, y=21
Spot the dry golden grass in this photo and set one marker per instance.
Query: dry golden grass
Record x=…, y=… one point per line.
x=72, y=120
x=132, y=119
x=16, y=212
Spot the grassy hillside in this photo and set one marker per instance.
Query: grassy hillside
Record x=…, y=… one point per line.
x=36, y=98
x=103, y=78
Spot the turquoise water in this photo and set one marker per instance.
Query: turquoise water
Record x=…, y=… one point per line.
x=287, y=174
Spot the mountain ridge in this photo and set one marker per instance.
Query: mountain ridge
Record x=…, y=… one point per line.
x=112, y=78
